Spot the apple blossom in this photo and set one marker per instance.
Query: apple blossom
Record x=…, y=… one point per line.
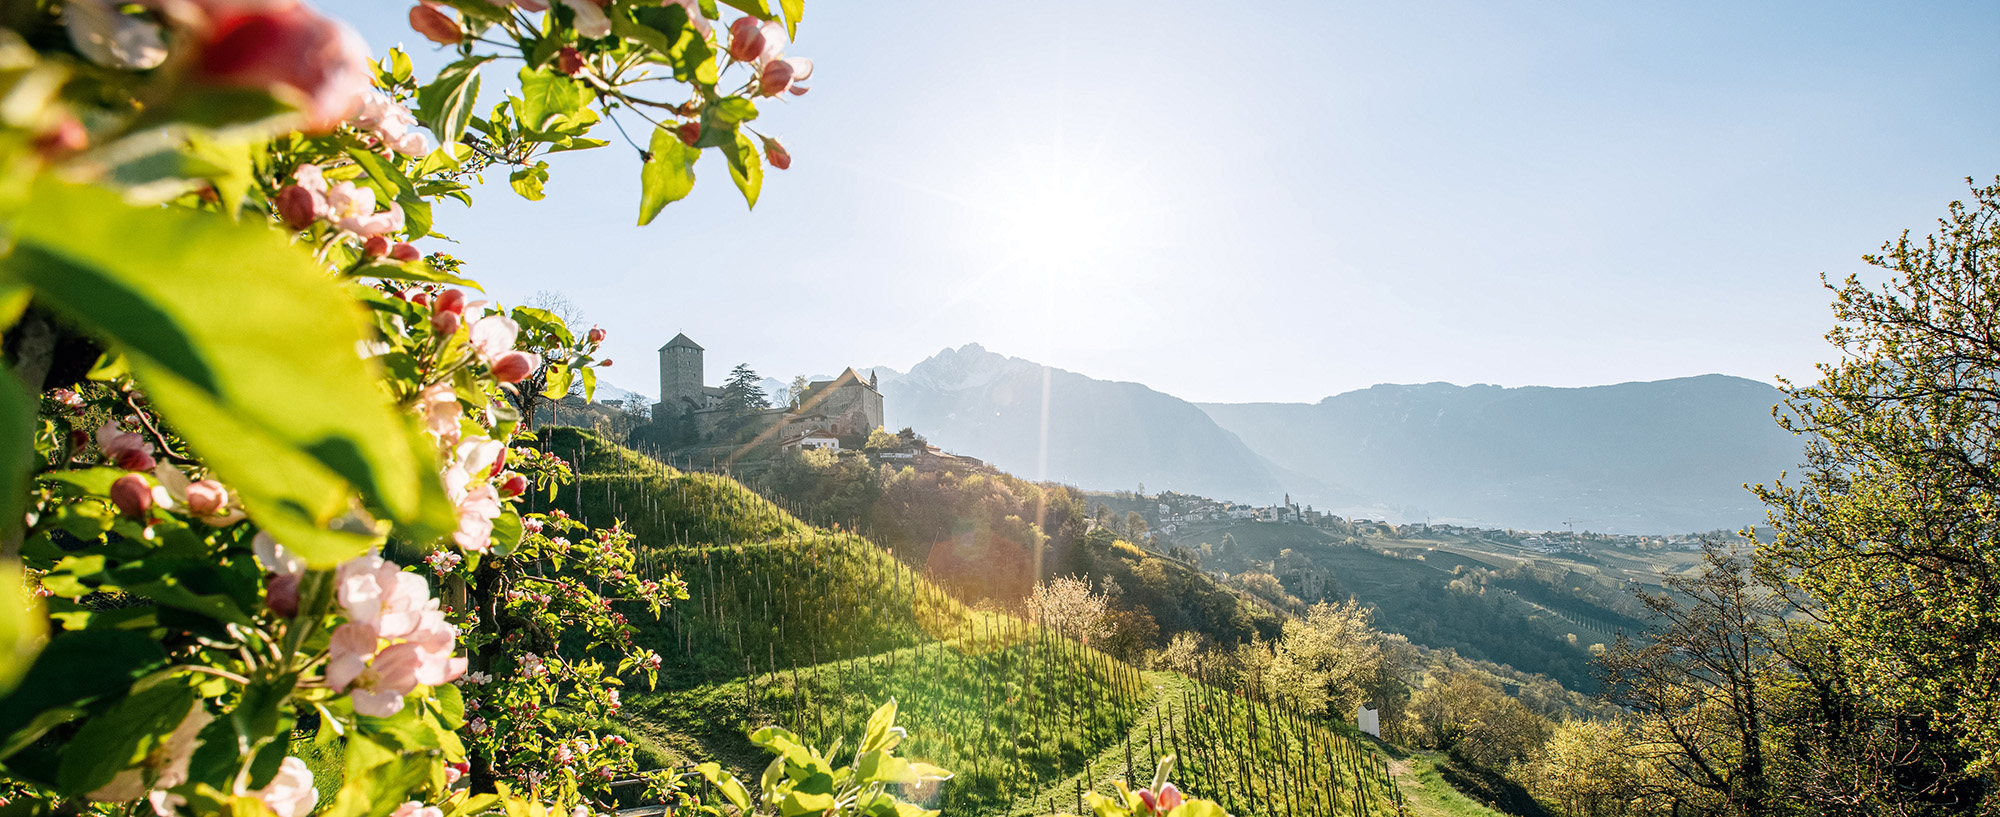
x=207, y=498
x=438, y=405
x=405, y=252
x=132, y=495
x=353, y=209
x=689, y=132
x=124, y=449
x=778, y=76
x=596, y=335
x=514, y=367
x=391, y=123
x=65, y=137
x=531, y=526
x=569, y=61
x=514, y=485
x=435, y=25
x=376, y=246
x=291, y=792
x=373, y=590
x=310, y=61
x=476, y=512
x=450, y=300
x=67, y=399
x=1170, y=797
x=416, y=809
x=445, y=323
x=375, y=681
x=493, y=336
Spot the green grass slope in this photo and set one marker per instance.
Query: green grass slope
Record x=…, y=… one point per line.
x=810, y=629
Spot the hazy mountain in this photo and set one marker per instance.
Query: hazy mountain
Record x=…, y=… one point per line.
x=1662, y=456
x=1099, y=434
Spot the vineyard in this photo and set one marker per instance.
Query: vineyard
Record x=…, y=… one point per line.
x=810, y=629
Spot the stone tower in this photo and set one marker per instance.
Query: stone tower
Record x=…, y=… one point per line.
x=680, y=376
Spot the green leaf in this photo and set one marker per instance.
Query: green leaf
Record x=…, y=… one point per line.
x=746, y=168
x=75, y=669
x=558, y=382
x=23, y=626
x=879, y=725
x=800, y=803
x=794, y=10
x=378, y=778
x=247, y=348
x=668, y=30
x=260, y=711
x=446, y=105
x=547, y=95
x=755, y=8
x=123, y=736
x=728, y=784
x=528, y=181
x=1198, y=808
x=668, y=175
x=731, y=111
x=389, y=180
x=17, y=459
x=881, y=767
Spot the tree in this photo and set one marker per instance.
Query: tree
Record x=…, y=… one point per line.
x=1701, y=684
x=1474, y=721
x=1331, y=660
x=1890, y=526
x=1067, y=605
x=795, y=397
x=881, y=440
x=1135, y=526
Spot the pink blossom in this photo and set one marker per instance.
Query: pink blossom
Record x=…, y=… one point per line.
x=376, y=246
x=377, y=681
x=416, y=809
x=1170, y=797
x=477, y=725
x=493, y=336
x=67, y=399
x=207, y=498
x=124, y=449
x=778, y=76
x=476, y=513
x=311, y=177
x=443, y=561
x=514, y=367
x=569, y=61
x=353, y=209
x=776, y=154
x=596, y=335
x=373, y=590
x=453, y=301
x=513, y=485
x=304, y=58
x=291, y=792
x=391, y=123
x=405, y=252
x=531, y=526
x=438, y=405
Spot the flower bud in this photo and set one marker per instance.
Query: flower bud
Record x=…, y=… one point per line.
x=776, y=154
x=595, y=335
x=568, y=61
x=281, y=594
x=405, y=252
x=604, y=364
x=435, y=25
x=499, y=463
x=133, y=459
x=690, y=132
x=775, y=78
x=514, y=485
x=376, y=246
x=300, y=207
x=444, y=323
x=132, y=495
x=1170, y=797
x=419, y=297
x=207, y=498
x=67, y=137
x=451, y=300
x=1152, y=803
x=746, y=39
x=513, y=367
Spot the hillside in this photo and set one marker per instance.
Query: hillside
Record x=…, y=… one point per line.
x=1051, y=424
x=811, y=628
x=1662, y=456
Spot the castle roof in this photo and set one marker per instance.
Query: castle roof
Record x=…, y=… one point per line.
x=849, y=376
x=681, y=341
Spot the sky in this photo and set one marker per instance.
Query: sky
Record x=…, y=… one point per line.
x=1280, y=201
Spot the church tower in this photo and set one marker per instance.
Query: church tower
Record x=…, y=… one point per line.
x=681, y=376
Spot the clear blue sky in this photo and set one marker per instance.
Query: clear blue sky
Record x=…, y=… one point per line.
x=1284, y=200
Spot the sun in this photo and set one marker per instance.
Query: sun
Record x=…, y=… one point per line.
x=1069, y=214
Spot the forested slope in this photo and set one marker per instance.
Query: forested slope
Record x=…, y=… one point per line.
x=810, y=628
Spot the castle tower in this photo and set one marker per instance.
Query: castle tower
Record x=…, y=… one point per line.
x=681, y=375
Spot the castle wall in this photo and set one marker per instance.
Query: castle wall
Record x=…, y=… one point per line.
x=681, y=378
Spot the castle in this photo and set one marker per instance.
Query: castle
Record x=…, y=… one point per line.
x=845, y=406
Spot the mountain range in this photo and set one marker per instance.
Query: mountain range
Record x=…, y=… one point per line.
x=1645, y=457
